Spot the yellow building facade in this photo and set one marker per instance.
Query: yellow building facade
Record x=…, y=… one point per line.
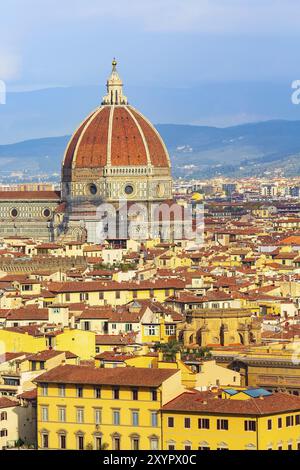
x=199, y=421
x=86, y=408
x=128, y=408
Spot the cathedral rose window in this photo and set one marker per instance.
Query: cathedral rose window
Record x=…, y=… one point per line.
x=128, y=189
x=14, y=213
x=93, y=189
x=46, y=213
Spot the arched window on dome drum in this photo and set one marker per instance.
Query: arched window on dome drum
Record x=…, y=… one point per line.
x=116, y=96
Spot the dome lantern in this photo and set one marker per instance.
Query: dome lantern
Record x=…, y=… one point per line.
x=114, y=88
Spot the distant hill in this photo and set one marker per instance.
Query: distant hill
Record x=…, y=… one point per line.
x=196, y=151
x=57, y=111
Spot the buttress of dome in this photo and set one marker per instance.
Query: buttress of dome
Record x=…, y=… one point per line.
x=114, y=88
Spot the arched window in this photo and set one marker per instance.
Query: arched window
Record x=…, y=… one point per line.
x=62, y=440
x=116, y=442
x=154, y=442
x=135, y=442
x=80, y=440
x=44, y=439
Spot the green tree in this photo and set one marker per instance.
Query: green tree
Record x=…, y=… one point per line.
x=169, y=349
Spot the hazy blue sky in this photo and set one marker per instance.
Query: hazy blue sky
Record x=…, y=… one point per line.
x=181, y=42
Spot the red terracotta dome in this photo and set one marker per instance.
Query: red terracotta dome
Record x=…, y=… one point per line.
x=116, y=136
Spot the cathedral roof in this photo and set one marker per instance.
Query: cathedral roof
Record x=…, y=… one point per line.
x=115, y=135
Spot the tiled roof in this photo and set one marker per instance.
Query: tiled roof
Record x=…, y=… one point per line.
x=129, y=141
x=44, y=355
x=266, y=405
x=28, y=313
x=131, y=376
x=29, y=394
x=7, y=402
x=95, y=286
x=29, y=195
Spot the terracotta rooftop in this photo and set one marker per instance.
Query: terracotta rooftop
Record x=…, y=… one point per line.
x=44, y=355
x=29, y=195
x=7, y=402
x=131, y=140
x=202, y=402
x=130, y=376
x=29, y=394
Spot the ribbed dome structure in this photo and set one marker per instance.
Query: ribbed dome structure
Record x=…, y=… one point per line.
x=117, y=136
x=115, y=153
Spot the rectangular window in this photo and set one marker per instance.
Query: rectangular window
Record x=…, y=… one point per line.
x=116, y=443
x=79, y=391
x=250, y=425
x=62, y=414
x=44, y=390
x=135, y=443
x=116, y=417
x=203, y=423
x=297, y=419
x=154, y=419
x=154, y=395
x=62, y=390
x=45, y=413
x=187, y=447
x=289, y=420
x=135, y=394
x=84, y=296
x=68, y=297
x=279, y=423
x=171, y=447
x=116, y=393
x=170, y=422
x=269, y=424
x=128, y=327
x=80, y=442
x=62, y=441
x=151, y=330
x=187, y=423
x=135, y=418
x=170, y=330
x=80, y=415
x=222, y=424
x=118, y=294
x=98, y=443
x=154, y=444
x=45, y=441
x=97, y=392
x=101, y=295
x=97, y=416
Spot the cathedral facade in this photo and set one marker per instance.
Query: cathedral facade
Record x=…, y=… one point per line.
x=114, y=155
